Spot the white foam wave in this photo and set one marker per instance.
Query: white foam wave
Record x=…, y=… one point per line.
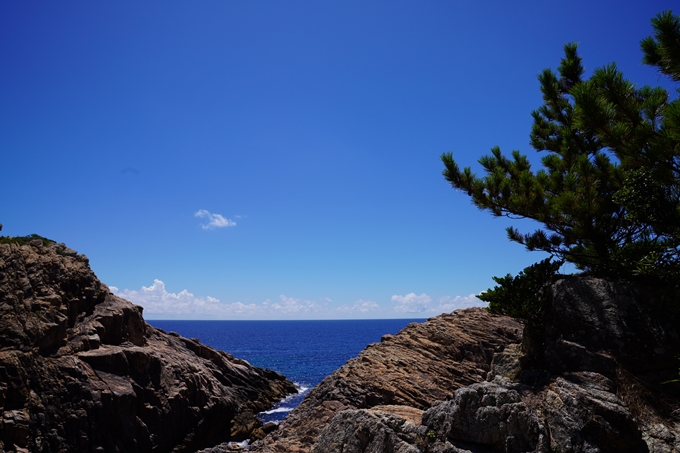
x=301, y=387
x=277, y=410
x=282, y=407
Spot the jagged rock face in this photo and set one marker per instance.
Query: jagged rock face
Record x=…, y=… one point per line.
x=575, y=413
x=80, y=370
x=597, y=324
x=583, y=413
x=366, y=430
x=422, y=364
x=487, y=414
x=606, y=349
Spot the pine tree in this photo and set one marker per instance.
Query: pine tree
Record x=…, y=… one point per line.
x=663, y=50
x=571, y=195
x=642, y=128
x=608, y=193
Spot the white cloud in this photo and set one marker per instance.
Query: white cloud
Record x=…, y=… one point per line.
x=291, y=305
x=213, y=220
x=448, y=303
x=411, y=303
x=360, y=307
x=157, y=301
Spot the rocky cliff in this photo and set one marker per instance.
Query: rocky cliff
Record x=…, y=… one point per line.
x=403, y=375
x=80, y=370
x=590, y=380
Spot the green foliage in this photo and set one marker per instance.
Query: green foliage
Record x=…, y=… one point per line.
x=522, y=296
x=424, y=443
x=608, y=192
x=641, y=127
x=570, y=195
x=663, y=50
x=652, y=210
x=23, y=240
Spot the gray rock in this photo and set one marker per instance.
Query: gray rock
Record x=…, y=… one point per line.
x=506, y=363
x=362, y=431
x=584, y=414
x=577, y=413
x=492, y=414
x=593, y=323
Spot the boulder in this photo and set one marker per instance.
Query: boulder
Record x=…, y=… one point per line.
x=584, y=414
x=597, y=324
x=363, y=430
x=491, y=414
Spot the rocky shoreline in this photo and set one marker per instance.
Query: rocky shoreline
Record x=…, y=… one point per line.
x=591, y=380
x=403, y=374
x=80, y=370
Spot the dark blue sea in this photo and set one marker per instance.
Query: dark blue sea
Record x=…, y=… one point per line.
x=303, y=351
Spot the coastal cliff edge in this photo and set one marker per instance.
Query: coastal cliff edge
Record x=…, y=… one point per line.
x=80, y=370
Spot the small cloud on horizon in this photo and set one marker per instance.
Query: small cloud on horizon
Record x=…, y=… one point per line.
x=290, y=305
x=448, y=303
x=412, y=303
x=159, y=303
x=213, y=220
x=360, y=307
x=156, y=300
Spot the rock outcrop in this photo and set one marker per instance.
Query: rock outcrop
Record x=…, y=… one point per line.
x=80, y=370
x=403, y=375
x=590, y=380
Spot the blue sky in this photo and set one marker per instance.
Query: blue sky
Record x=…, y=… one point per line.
x=280, y=160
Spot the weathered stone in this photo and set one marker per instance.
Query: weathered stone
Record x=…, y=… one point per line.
x=80, y=370
x=605, y=351
x=422, y=364
x=363, y=431
x=491, y=414
x=110, y=359
x=591, y=320
x=506, y=363
x=584, y=414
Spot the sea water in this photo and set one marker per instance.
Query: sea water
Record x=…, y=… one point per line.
x=303, y=351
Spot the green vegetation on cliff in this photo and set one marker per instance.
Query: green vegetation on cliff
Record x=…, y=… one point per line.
x=23, y=240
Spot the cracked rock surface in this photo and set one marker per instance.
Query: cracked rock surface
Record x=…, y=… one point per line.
x=589, y=380
x=402, y=374
x=80, y=370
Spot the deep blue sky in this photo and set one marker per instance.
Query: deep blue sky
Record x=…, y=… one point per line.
x=312, y=128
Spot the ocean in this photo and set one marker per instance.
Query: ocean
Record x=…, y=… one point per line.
x=303, y=351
